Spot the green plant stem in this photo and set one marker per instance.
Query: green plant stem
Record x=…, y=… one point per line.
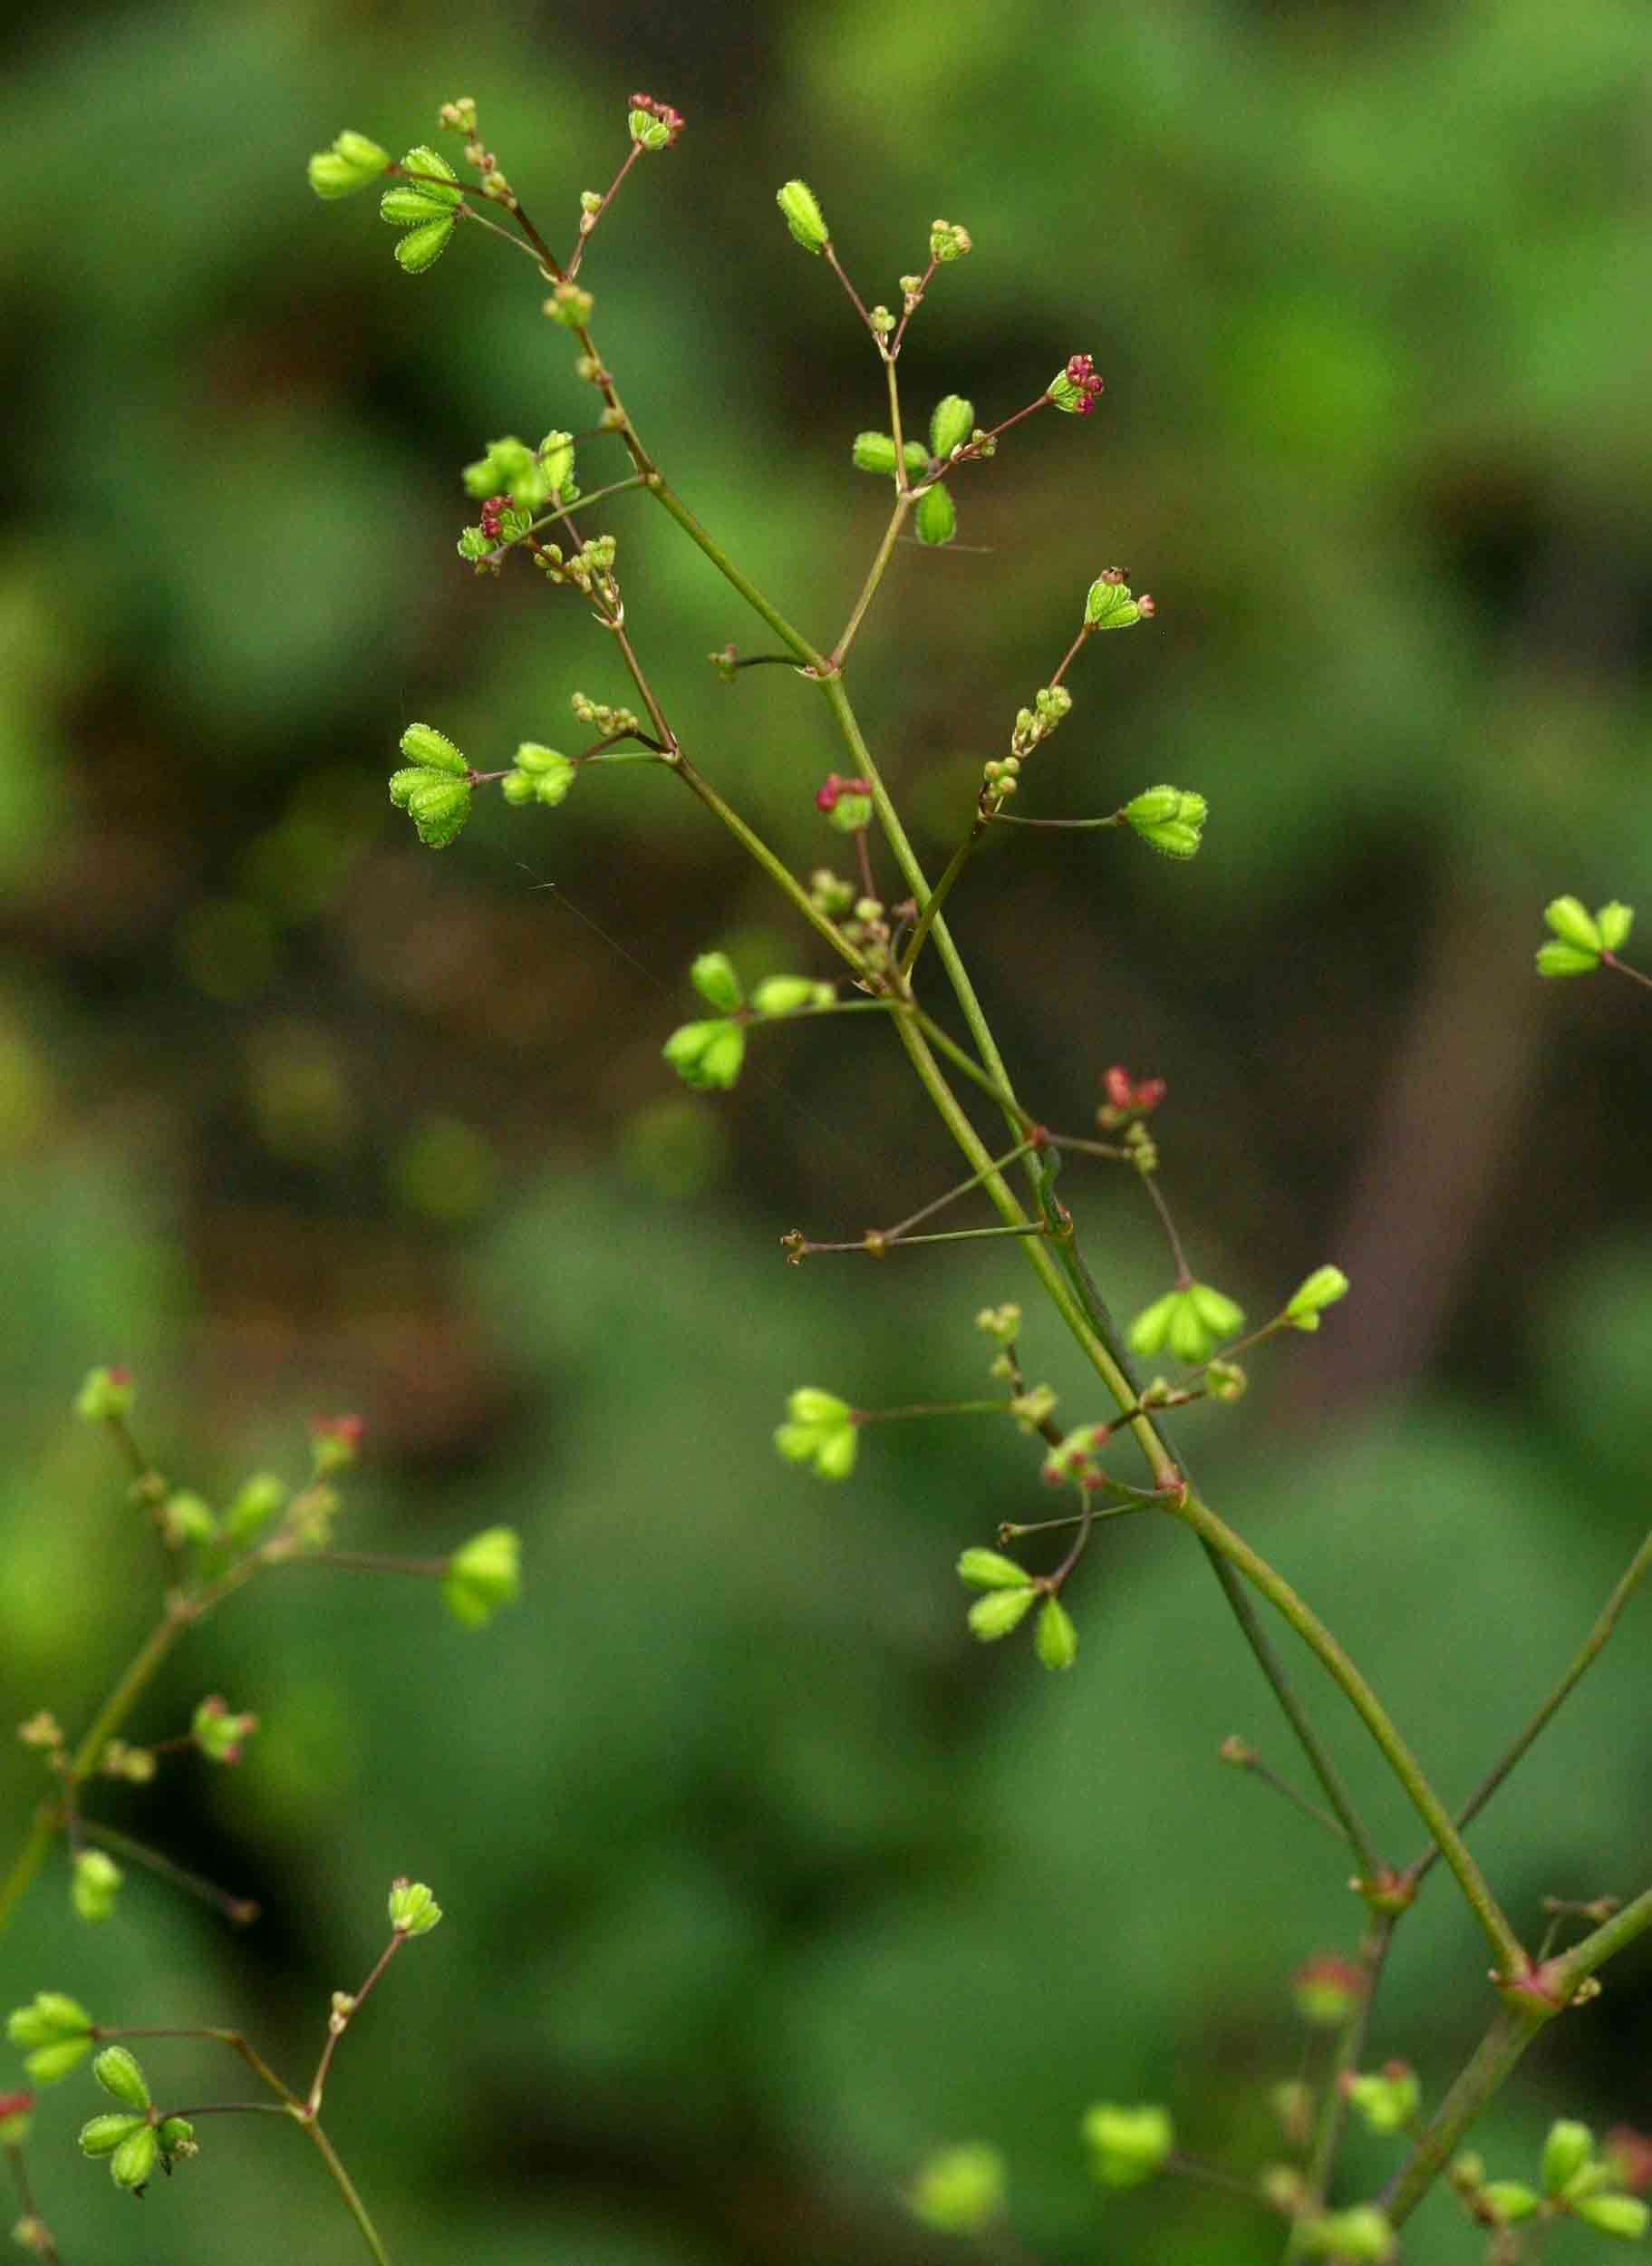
x=42, y=1831
x=1023, y=1119
x=772, y=865
x=318, y=2083
x=1610, y=960
x=237, y=2043
x=632, y=155
x=885, y=1244
x=241, y=1911
x=933, y=1409
x=1574, y=1967
x=939, y=895
x=346, y=2188
x=792, y=638
x=1005, y=818
x=875, y=575
x=1058, y=1283
x=927, y=1211
x=370, y=1562
x=1629, y=1581
x=1511, y=1959
x=1333, y=2104
x=462, y=212
x=299, y=2111
x=563, y=511
x=1255, y=1768
x=45, y=2249
x=1512, y=2030
x=1192, y=2167
x=1068, y=1283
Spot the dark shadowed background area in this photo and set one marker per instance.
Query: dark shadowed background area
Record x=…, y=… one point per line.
x=761, y=1879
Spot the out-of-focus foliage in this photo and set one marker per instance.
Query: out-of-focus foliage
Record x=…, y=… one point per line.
x=762, y=1880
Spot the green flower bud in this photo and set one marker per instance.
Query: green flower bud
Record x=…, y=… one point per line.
x=1328, y=1988
x=102, y=2136
x=951, y=422
x=546, y=775
x=653, y=133
x=186, y=1517
x=132, y=2164
x=353, y=163
x=784, y=995
x=989, y=1569
x=1506, y=2201
x=47, y=2064
x=1168, y=819
x=177, y=2136
x=1218, y=1312
x=1360, y=2234
x=1109, y=604
x=483, y=1574
x=94, y=1884
x=936, y=516
x=1574, y=924
x=55, y=2022
x=1225, y=1380
x=713, y=977
x=1568, y=2150
x=1388, y=2099
x=948, y=241
x=1615, y=922
x=1126, y=2147
x=851, y=814
x=803, y=214
x=106, y=1393
x=432, y=751
x=707, y=1055
x=809, y=1404
x=1557, y=959
x=1283, y=2188
x=413, y=1910
x=256, y=1503
x=960, y=2190
x=1624, y=2215
x=1322, y=1288
x=407, y=208
x=1002, y=1323
x=820, y=1429
x=998, y=1611
x=1191, y=1321
x=437, y=806
x=1055, y=1639
x=421, y=248
x=117, y=2071
x=443, y=191
x=219, y=1735
x=556, y=461
x=874, y=453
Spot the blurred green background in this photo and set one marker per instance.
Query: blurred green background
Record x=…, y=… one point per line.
x=761, y=1879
